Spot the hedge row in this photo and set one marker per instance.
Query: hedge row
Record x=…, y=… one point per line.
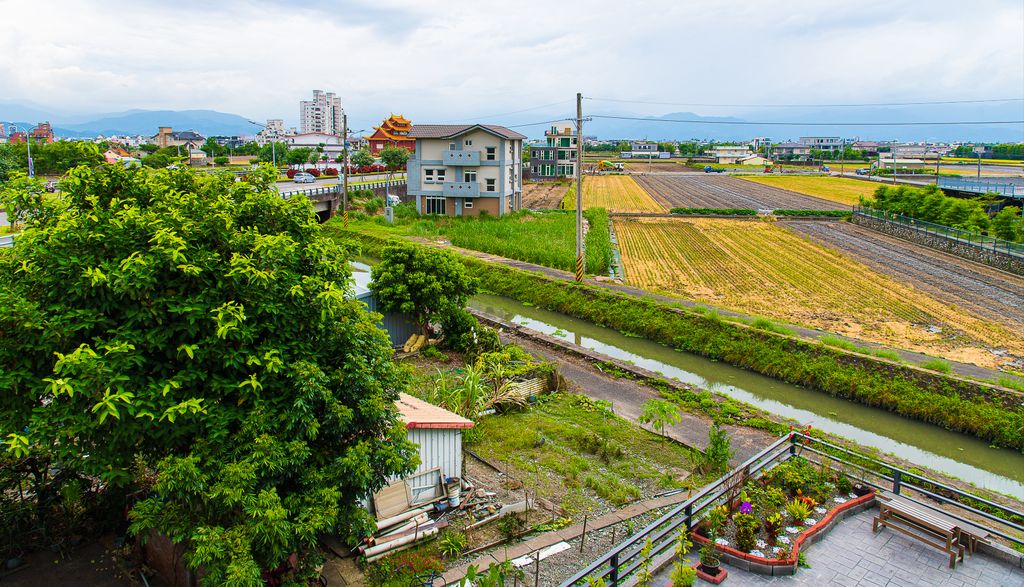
x=827, y=213
x=717, y=211
x=982, y=410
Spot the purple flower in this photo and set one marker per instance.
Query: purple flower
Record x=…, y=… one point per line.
x=746, y=508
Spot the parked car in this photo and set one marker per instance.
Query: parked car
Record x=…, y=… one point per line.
x=710, y=169
x=863, y=171
x=303, y=177
x=393, y=200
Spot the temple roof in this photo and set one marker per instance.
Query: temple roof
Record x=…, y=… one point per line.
x=394, y=128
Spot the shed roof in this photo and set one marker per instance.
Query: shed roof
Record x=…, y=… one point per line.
x=416, y=413
x=447, y=131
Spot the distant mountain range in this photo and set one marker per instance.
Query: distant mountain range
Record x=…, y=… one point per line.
x=608, y=124
x=132, y=122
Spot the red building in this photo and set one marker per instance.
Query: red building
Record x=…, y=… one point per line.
x=393, y=131
x=42, y=133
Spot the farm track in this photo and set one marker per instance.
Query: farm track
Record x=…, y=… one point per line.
x=716, y=191
x=974, y=287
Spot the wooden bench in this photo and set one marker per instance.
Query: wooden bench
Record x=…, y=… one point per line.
x=920, y=524
x=970, y=535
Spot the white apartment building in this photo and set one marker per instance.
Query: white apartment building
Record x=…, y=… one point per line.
x=322, y=114
x=274, y=131
x=466, y=169
x=822, y=143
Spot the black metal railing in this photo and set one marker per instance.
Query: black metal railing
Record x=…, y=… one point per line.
x=625, y=558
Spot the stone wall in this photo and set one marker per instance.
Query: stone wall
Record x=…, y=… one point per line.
x=997, y=259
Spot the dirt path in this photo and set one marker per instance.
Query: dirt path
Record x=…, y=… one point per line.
x=627, y=398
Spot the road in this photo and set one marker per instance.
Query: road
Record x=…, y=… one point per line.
x=291, y=186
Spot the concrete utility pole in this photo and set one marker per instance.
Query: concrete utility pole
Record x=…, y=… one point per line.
x=580, y=261
x=842, y=158
x=344, y=172
x=894, y=163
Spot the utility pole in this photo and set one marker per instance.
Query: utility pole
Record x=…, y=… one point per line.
x=894, y=163
x=580, y=261
x=344, y=172
x=842, y=158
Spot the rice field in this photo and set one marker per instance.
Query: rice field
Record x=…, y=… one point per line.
x=616, y=193
x=763, y=268
x=835, y=189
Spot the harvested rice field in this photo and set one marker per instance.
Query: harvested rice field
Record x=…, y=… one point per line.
x=723, y=191
x=543, y=195
x=765, y=269
x=617, y=193
x=835, y=189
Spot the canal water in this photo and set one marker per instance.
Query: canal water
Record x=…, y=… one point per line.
x=952, y=453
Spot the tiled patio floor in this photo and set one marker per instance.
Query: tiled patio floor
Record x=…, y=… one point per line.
x=851, y=555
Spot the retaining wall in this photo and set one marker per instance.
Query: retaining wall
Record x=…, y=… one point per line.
x=997, y=259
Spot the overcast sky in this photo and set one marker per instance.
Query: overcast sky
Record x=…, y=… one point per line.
x=461, y=59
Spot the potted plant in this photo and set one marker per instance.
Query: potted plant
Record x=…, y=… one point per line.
x=709, y=558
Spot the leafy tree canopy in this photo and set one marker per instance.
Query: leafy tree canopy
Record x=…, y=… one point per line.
x=361, y=158
x=427, y=283
x=199, y=326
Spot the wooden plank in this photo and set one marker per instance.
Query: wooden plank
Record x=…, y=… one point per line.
x=391, y=500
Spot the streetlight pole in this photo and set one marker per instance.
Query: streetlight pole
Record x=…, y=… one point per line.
x=273, y=146
x=28, y=145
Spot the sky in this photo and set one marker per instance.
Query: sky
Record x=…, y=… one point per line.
x=460, y=60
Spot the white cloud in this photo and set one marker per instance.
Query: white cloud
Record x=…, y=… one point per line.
x=459, y=58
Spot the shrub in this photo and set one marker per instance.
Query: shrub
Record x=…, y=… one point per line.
x=682, y=575
x=452, y=544
x=798, y=511
x=772, y=526
x=331, y=171
x=716, y=211
x=511, y=526
x=715, y=458
x=220, y=161
x=824, y=213
x=291, y=173
x=314, y=172
x=746, y=531
x=373, y=205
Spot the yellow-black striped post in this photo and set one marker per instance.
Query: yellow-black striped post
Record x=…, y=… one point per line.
x=346, y=218
x=579, y=268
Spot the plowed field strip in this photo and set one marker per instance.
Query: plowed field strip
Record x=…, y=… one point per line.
x=979, y=289
x=715, y=191
x=842, y=190
x=766, y=269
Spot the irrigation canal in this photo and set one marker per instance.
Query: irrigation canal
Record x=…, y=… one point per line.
x=952, y=453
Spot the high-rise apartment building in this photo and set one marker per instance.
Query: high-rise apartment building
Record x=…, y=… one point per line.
x=322, y=114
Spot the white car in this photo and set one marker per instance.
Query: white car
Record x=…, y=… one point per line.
x=303, y=177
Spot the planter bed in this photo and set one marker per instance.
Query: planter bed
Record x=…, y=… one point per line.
x=810, y=535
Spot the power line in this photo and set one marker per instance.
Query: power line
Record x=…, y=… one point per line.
x=746, y=122
x=508, y=113
x=562, y=119
x=865, y=104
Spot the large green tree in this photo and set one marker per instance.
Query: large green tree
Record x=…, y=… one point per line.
x=361, y=158
x=430, y=284
x=197, y=328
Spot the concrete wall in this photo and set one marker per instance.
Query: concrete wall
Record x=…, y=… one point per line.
x=995, y=259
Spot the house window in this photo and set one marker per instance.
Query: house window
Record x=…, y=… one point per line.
x=451, y=146
x=467, y=203
x=491, y=153
x=428, y=176
x=469, y=175
x=490, y=184
x=469, y=142
x=434, y=205
x=439, y=175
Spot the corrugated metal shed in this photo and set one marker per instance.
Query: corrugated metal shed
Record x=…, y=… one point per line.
x=438, y=433
x=398, y=326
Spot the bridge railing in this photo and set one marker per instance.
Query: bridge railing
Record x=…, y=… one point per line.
x=625, y=558
x=948, y=232
x=1008, y=189
x=6, y=241
x=336, y=188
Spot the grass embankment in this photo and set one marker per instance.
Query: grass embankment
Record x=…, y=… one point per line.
x=575, y=452
x=616, y=193
x=765, y=269
x=835, y=189
x=545, y=238
x=981, y=410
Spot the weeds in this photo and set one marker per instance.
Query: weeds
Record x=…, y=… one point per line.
x=937, y=365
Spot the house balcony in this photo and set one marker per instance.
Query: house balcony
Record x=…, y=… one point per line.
x=461, y=188
x=461, y=158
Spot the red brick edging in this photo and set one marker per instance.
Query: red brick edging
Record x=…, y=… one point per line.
x=822, y=524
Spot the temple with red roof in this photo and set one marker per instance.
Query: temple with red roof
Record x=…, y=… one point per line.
x=393, y=131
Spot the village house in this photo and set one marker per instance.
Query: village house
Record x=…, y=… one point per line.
x=556, y=158
x=167, y=137
x=466, y=169
x=728, y=154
